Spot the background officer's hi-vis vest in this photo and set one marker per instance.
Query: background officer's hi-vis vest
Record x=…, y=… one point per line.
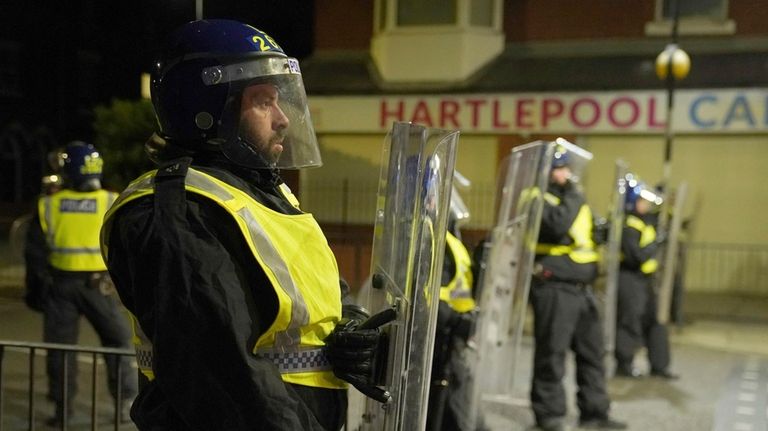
x=582, y=250
x=647, y=236
x=296, y=258
x=71, y=222
x=458, y=292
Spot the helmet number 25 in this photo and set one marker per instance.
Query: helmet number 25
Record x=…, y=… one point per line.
x=265, y=43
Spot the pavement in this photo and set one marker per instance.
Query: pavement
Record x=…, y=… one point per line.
x=720, y=355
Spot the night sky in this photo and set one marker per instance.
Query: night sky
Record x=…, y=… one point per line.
x=58, y=59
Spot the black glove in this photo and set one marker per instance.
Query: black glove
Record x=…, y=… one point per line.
x=450, y=321
x=464, y=325
x=352, y=349
x=601, y=230
x=661, y=237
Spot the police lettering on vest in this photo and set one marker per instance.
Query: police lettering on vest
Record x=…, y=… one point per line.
x=71, y=221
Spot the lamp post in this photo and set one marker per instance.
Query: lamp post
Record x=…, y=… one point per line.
x=198, y=9
x=671, y=64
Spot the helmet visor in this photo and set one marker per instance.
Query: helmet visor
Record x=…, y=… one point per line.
x=274, y=117
x=577, y=158
x=653, y=198
x=459, y=210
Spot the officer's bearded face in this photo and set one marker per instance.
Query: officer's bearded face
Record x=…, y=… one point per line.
x=263, y=124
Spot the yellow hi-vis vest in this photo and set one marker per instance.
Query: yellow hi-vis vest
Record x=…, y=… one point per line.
x=582, y=250
x=458, y=292
x=647, y=236
x=71, y=222
x=296, y=258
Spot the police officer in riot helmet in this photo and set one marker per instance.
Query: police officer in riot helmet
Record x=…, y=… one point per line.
x=233, y=287
x=637, y=323
x=456, y=315
x=66, y=277
x=564, y=308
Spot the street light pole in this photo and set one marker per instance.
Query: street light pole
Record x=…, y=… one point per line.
x=670, y=94
x=198, y=9
x=671, y=64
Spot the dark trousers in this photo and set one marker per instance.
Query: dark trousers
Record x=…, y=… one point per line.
x=70, y=297
x=566, y=317
x=637, y=325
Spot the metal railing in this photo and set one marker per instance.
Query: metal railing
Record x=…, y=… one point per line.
x=727, y=268
x=32, y=348
x=353, y=201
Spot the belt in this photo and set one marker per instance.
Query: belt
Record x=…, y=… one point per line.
x=298, y=361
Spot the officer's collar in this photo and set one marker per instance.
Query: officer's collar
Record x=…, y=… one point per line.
x=257, y=172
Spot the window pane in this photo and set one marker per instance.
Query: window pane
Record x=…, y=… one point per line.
x=426, y=12
x=696, y=8
x=481, y=13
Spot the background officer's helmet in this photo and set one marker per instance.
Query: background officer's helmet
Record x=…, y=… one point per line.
x=637, y=189
x=560, y=158
x=81, y=166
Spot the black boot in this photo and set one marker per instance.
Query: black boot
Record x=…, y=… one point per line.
x=664, y=374
x=602, y=424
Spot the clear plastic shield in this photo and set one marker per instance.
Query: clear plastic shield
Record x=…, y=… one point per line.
x=577, y=158
x=459, y=209
x=611, y=260
x=17, y=237
x=665, y=276
x=408, y=247
x=506, y=276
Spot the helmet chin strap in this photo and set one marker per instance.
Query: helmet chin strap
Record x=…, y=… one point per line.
x=241, y=153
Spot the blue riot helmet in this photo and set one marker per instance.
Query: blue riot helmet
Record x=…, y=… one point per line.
x=81, y=166
x=638, y=190
x=560, y=158
x=213, y=73
x=569, y=155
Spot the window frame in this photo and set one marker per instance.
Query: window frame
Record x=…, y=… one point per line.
x=714, y=25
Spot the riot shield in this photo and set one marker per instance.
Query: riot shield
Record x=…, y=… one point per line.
x=611, y=260
x=506, y=277
x=458, y=209
x=17, y=237
x=408, y=248
x=665, y=276
x=578, y=158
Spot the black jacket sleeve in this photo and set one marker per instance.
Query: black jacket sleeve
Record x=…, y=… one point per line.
x=202, y=299
x=37, y=277
x=557, y=219
x=634, y=255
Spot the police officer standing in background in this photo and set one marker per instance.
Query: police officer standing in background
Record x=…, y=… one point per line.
x=637, y=324
x=234, y=287
x=564, y=308
x=66, y=277
x=455, y=318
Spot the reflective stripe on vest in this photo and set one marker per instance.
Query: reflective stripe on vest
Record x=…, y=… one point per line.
x=286, y=362
x=647, y=236
x=582, y=250
x=71, y=222
x=296, y=258
x=458, y=292
x=143, y=348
